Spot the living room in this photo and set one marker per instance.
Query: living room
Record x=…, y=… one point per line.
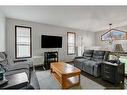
x=78, y=29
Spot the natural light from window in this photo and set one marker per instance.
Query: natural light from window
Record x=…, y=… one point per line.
x=71, y=42
x=23, y=42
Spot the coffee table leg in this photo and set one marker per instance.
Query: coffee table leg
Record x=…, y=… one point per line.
x=79, y=79
x=63, y=82
x=51, y=70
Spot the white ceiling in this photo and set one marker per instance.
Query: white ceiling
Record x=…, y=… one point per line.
x=88, y=18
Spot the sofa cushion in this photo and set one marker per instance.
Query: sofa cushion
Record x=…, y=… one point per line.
x=80, y=60
x=88, y=54
x=98, y=55
x=91, y=67
x=91, y=63
x=16, y=66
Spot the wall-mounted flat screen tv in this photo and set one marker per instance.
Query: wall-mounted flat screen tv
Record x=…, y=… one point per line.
x=48, y=41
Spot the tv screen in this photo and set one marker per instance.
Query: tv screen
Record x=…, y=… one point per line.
x=51, y=41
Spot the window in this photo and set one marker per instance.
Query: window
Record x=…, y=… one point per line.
x=23, y=46
x=114, y=34
x=71, y=42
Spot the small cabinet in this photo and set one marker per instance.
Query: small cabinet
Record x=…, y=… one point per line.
x=112, y=72
x=50, y=57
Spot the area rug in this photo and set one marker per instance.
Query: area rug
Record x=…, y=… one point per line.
x=47, y=81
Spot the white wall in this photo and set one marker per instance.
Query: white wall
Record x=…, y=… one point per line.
x=2, y=32
x=39, y=29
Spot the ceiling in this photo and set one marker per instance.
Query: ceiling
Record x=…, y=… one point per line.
x=88, y=18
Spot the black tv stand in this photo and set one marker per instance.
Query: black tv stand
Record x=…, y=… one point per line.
x=50, y=57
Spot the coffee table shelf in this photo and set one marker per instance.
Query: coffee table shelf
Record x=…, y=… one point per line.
x=67, y=75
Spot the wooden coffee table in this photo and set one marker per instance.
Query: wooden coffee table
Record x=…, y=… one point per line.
x=66, y=74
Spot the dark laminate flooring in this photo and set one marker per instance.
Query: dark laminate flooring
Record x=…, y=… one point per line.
x=34, y=80
x=104, y=83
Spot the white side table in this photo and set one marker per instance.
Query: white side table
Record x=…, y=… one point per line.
x=38, y=61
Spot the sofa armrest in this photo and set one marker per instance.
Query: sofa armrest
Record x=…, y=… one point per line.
x=97, y=69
